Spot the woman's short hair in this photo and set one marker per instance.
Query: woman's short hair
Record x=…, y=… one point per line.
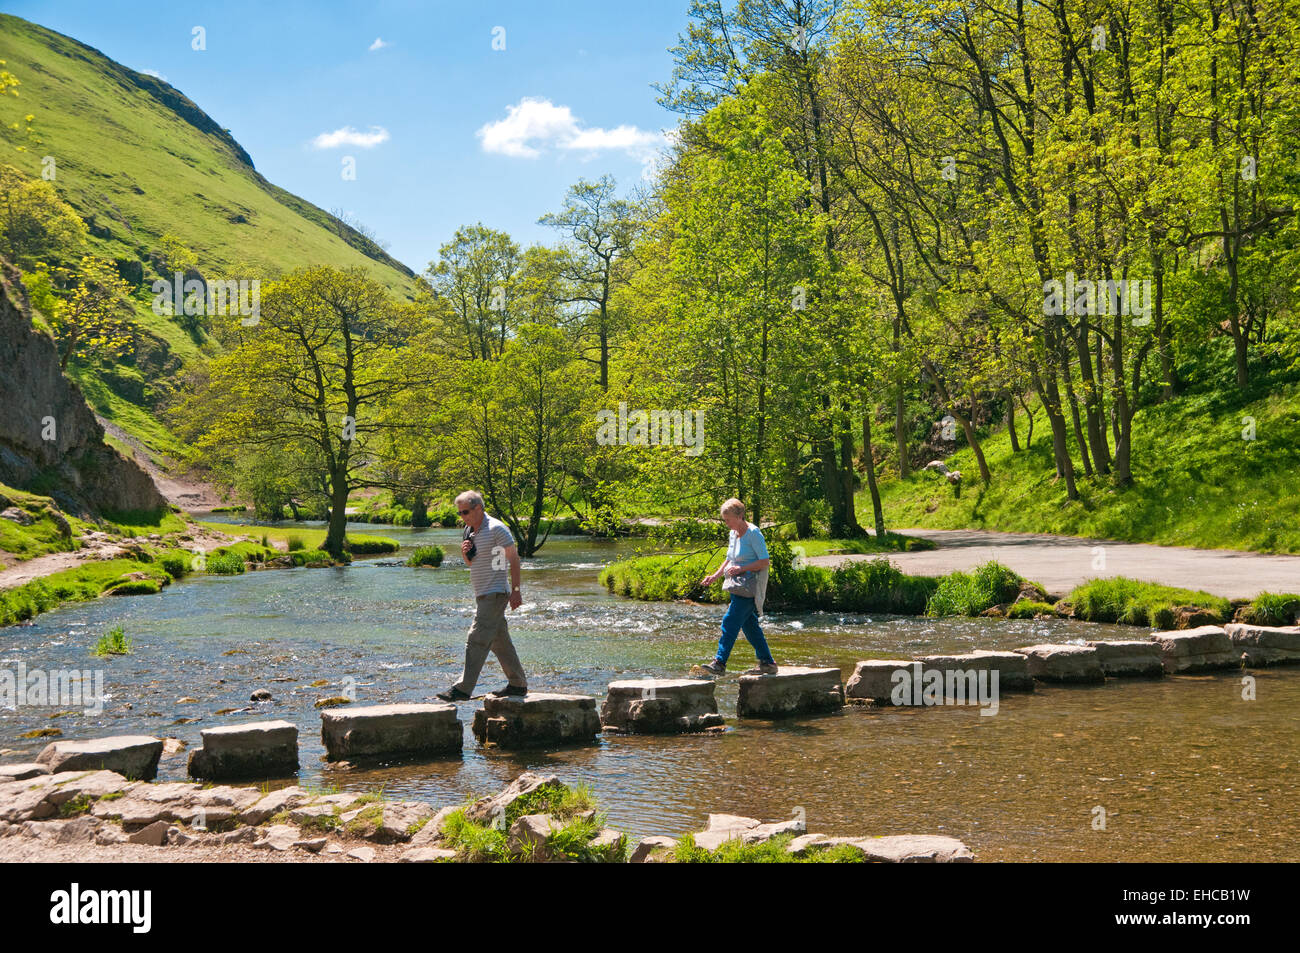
x=471, y=497
x=733, y=507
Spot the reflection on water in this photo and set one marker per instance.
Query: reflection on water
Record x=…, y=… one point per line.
x=1183, y=767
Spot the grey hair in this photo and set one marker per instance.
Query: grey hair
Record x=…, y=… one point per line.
x=470, y=496
x=734, y=507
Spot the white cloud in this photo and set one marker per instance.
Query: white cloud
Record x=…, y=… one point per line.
x=535, y=125
x=154, y=73
x=378, y=45
x=347, y=136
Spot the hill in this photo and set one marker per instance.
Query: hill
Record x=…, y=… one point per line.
x=138, y=160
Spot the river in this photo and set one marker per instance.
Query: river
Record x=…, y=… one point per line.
x=1183, y=768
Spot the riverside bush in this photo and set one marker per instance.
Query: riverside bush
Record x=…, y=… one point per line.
x=960, y=593
x=1272, y=608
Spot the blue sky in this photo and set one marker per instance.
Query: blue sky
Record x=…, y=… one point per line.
x=444, y=129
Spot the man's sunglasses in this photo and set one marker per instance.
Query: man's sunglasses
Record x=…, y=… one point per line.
x=464, y=512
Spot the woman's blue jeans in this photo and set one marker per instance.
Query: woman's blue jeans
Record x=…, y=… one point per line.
x=741, y=616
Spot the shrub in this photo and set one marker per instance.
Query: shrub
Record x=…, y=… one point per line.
x=135, y=587
x=426, y=556
x=295, y=544
x=877, y=585
x=312, y=558
x=960, y=593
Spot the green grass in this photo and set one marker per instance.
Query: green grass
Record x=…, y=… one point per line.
x=1198, y=482
x=478, y=843
x=969, y=594
x=774, y=851
x=1133, y=602
x=46, y=532
x=864, y=546
x=1029, y=609
x=114, y=642
x=1272, y=608
x=426, y=556
x=122, y=148
x=84, y=582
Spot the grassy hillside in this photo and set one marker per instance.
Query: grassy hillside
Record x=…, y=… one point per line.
x=136, y=157
x=137, y=160
x=1198, y=482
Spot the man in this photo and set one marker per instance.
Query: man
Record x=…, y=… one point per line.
x=488, y=549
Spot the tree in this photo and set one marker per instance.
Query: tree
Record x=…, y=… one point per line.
x=477, y=275
x=90, y=320
x=308, y=383
x=35, y=224
x=601, y=230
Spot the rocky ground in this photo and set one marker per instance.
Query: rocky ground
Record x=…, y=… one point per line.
x=100, y=816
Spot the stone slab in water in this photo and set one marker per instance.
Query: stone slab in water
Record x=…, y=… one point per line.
x=1012, y=667
x=259, y=749
x=649, y=706
x=793, y=690
x=389, y=730
x=132, y=756
x=1203, y=649
x=537, y=719
x=873, y=680
x=1266, y=644
x=1063, y=663
x=1129, y=657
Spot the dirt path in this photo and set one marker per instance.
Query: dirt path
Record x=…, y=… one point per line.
x=1060, y=563
x=193, y=496
x=96, y=545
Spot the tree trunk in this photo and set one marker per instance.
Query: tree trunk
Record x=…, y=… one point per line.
x=869, y=464
x=336, y=535
x=1011, y=423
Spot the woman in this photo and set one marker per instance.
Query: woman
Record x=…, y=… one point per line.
x=745, y=569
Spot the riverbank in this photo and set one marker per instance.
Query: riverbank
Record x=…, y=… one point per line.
x=101, y=816
x=981, y=588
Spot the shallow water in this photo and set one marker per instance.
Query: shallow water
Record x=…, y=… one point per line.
x=1183, y=767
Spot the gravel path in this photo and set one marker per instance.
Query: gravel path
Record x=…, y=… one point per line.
x=1060, y=563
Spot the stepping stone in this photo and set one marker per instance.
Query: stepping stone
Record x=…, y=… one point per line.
x=132, y=756
x=259, y=749
x=1063, y=663
x=1129, y=657
x=383, y=730
x=22, y=771
x=538, y=719
x=793, y=690
x=874, y=681
x=649, y=706
x=1261, y=644
x=1012, y=668
x=1203, y=649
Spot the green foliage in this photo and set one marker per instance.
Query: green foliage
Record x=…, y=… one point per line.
x=663, y=578
x=878, y=585
x=959, y=593
x=176, y=563
x=361, y=545
x=1029, y=609
x=1272, y=608
x=773, y=851
x=1134, y=602
x=225, y=563
x=295, y=543
x=312, y=558
x=426, y=556
x=114, y=642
